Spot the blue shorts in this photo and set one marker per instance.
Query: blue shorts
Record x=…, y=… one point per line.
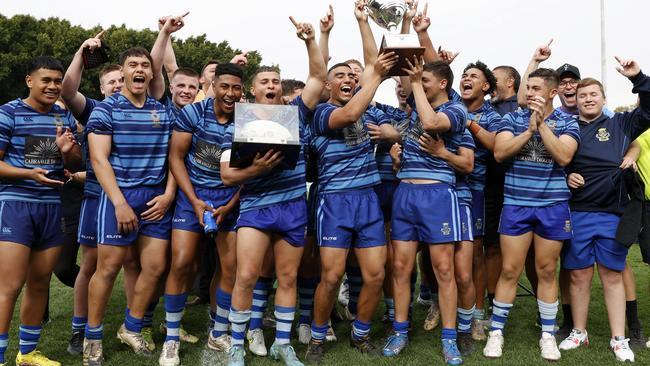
x=426, y=213
x=87, y=233
x=185, y=217
x=550, y=222
x=107, y=228
x=288, y=219
x=385, y=192
x=478, y=213
x=350, y=219
x=36, y=225
x=594, y=241
x=467, y=231
x=312, y=203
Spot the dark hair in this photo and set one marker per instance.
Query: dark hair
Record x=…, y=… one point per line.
x=550, y=76
x=441, y=70
x=44, y=62
x=513, y=73
x=229, y=69
x=340, y=64
x=290, y=85
x=589, y=82
x=134, y=52
x=108, y=68
x=356, y=62
x=210, y=62
x=262, y=69
x=186, y=71
x=489, y=76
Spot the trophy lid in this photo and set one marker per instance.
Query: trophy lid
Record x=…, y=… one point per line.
x=387, y=14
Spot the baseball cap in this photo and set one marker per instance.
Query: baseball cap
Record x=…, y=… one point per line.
x=568, y=69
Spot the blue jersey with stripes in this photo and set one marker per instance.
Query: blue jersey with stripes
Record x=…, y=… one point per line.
x=533, y=178
x=140, y=139
x=346, y=158
x=277, y=186
x=28, y=139
x=463, y=190
x=489, y=119
x=399, y=120
x=419, y=164
x=168, y=102
x=92, y=188
x=203, y=160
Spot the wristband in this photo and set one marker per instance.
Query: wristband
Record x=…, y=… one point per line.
x=474, y=128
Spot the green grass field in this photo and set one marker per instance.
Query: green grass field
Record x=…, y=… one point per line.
x=521, y=335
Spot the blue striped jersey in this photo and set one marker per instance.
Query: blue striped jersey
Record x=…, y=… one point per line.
x=346, y=158
x=28, y=139
x=277, y=186
x=463, y=190
x=168, y=102
x=489, y=119
x=417, y=163
x=533, y=178
x=203, y=160
x=140, y=139
x=400, y=120
x=91, y=186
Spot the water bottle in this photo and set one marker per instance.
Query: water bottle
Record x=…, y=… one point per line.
x=209, y=222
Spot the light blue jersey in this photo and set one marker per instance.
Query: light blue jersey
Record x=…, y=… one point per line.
x=345, y=156
x=417, y=163
x=140, y=139
x=488, y=118
x=533, y=178
x=28, y=139
x=203, y=160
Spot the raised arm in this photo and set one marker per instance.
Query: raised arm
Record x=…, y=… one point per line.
x=354, y=109
x=367, y=39
x=326, y=25
x=169, y=26
x=74, y=100
x=541, y=54
x=432, y=121
x=317, y=69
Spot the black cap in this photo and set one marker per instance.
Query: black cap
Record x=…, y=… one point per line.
x=568, y=69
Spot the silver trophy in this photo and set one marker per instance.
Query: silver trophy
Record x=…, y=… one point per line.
x=388, y=14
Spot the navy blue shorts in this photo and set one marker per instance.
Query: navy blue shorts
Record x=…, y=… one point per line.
x=185, y=217
x=350, y=219
x=594, y=241
x=288, y=219
x=427, y=213
x=36, y=225
x=385, y=193
x=467, y=231
x=137, y=198
x=550, y=222
x=478, y=213
x=87, y=233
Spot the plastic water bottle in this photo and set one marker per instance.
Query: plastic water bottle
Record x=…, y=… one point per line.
x=209, y=222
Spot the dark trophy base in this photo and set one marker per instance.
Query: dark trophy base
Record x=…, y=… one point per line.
x=405, y=46
x=243, y=153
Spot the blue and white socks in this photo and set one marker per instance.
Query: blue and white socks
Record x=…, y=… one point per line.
x=29, y=336
x=260, y=298
x=547, y=313
x=221, y=322
x=500, y=313
x=283, y=318
x=174, y=306
x=238, y=319
x=464, y=317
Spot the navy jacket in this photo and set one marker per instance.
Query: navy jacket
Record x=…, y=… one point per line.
x=603, y=143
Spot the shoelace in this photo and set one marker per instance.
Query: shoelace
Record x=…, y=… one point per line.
x=574, y=336
x=548, y=345
x=623, y=344
x=171, y=350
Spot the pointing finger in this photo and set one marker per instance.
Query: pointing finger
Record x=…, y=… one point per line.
x=100, y=34
x=549, y=43
x=293, y=21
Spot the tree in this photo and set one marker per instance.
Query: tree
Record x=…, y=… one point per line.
x=23, y=37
